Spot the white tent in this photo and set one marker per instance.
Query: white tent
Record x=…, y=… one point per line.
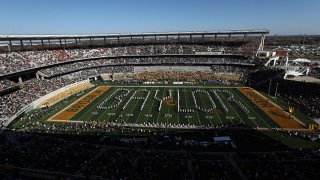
x=302, y=60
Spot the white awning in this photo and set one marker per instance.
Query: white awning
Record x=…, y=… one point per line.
x=301, y=60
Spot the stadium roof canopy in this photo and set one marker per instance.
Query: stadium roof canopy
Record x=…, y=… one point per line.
x=71, y=36
x=302, y=60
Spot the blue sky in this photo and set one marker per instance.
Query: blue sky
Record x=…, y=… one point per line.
x=121, y=16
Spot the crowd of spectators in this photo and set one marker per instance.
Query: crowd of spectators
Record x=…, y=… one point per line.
x=17, y=61
x=6, y=84
x=214, y=166
x=13, y=102
x=138, y=61
x=138, y=164
x=261, y=75
x=230, y=69
x=302, y=94
x=137, y=157
x=33, y=89
x=193, y=76
x=300, y=50
x=283, y=165
x=43, y=153
x=315, y=71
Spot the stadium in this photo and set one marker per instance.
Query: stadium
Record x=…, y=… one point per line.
x=199, y=91
x=144, y=80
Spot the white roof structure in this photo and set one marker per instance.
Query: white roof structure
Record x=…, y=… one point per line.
x=70, y=36
x=302, y=60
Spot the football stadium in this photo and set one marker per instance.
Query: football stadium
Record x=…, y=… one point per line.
x=208, y=104
x=175, y=80
x=159, y=101
x=127, y=88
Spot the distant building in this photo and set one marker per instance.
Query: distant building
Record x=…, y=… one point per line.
x=281, y=53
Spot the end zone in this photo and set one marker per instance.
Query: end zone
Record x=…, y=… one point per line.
x=281, y=117
x=67, y=113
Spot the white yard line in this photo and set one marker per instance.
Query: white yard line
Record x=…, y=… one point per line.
x=160, y=109
x=135, y=105
x=141, y=109
x=153, y=100
x=196, y=110
x=236, y=112
x=219, y=104
x=185, y=98
x=176, y=105
x=206, y=112
x=112, y=110
x=95, y=107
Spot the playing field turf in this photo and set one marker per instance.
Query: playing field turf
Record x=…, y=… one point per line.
x=195, y=106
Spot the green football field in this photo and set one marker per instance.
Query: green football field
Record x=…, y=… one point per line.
x=175, y=106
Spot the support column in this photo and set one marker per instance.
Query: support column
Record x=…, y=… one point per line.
x=190, y=38
x=60, y=41
x=167, y=38
x=42, y=44
x=178, y=37
x=261, y=46
x=143, y=38
x=215, y=37
x=118, y=39
x=229, y=37
x=21, y=42
x=287, y=60
x=104, y=40
x=76, y=41
x=202, y=37
x=10, y=45
x=91, y=41
x=31, y=43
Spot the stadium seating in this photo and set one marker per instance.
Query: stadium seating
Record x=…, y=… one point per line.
x=295, y=93
x=18, y=61
x=26, y=155
x=70, y=67
x=34, y=89
x=6, y=84
x=62, y=95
